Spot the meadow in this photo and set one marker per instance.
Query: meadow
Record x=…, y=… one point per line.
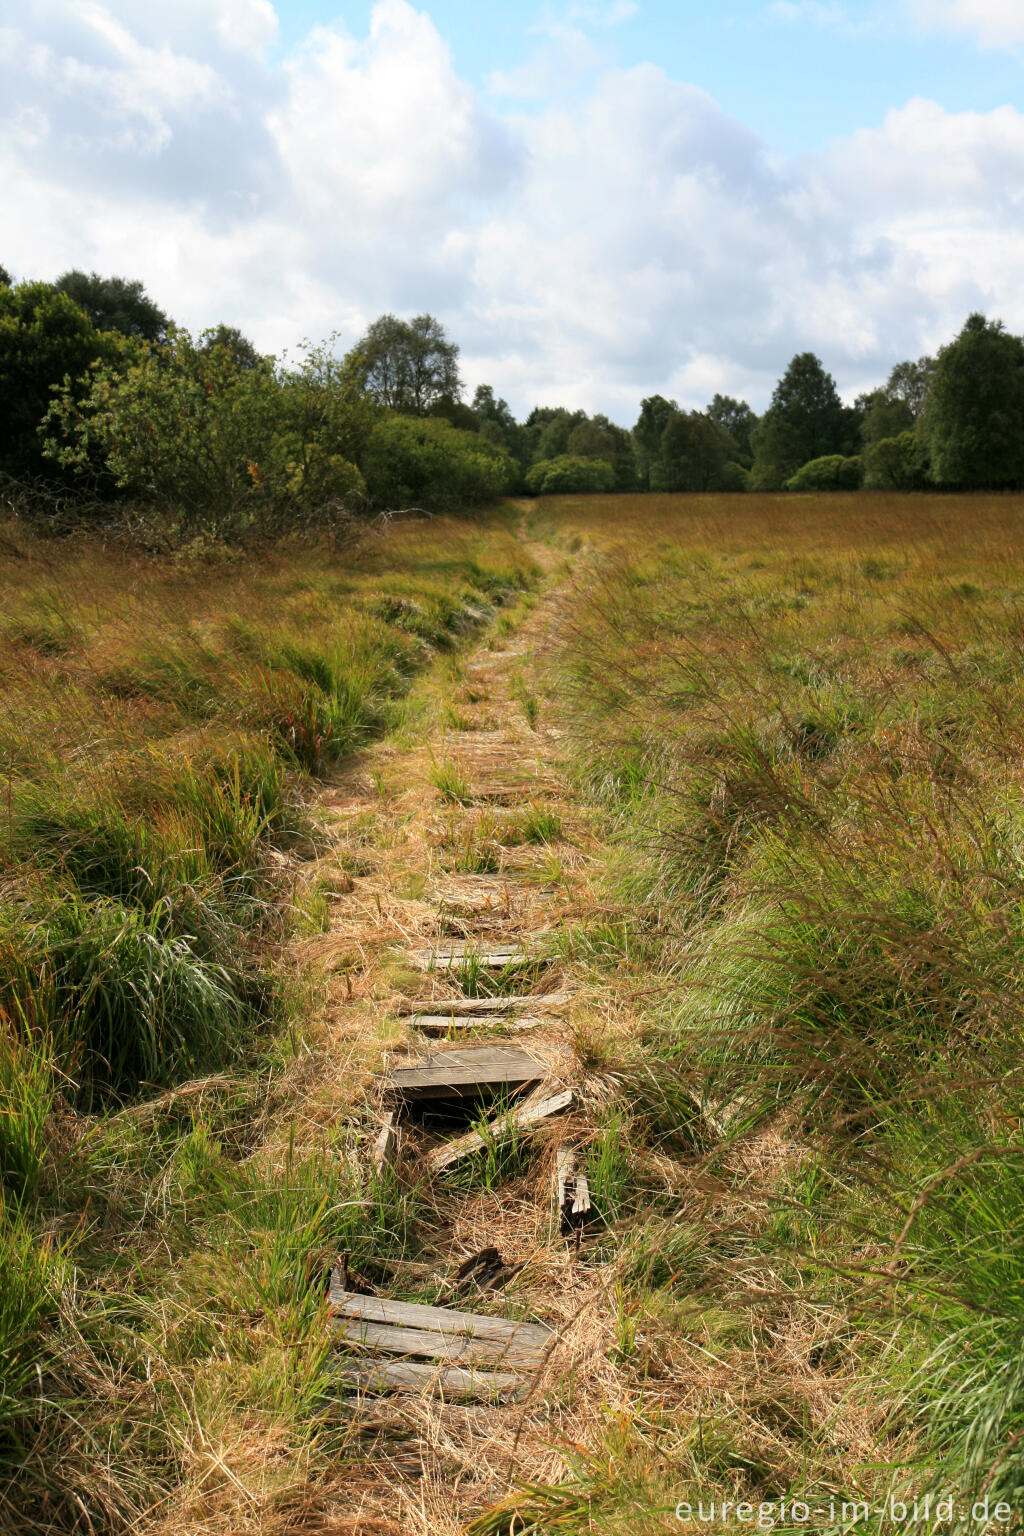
x=804, y=719
x=165, y=723
x=785, y=846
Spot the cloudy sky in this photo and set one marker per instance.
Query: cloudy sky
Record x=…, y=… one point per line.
x=599, y=198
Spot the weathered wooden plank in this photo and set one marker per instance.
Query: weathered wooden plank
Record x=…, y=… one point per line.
x=572, y=1191
x=440, y=1023
x=447, y=1381
x=455, y=1074
x=531, y=1003
x=459, y=949
x=581, y=1197
x=458, y=1349
x=386, y=1141
x=510, y=793
x=445, y=1320
x=524, y=1119
x=452, y=957
x=565, y=1169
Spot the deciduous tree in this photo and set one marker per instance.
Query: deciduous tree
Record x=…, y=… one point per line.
x=410, y=365
x=737, y=418
x=45, y=339
x=973, y=422
x=115, y=304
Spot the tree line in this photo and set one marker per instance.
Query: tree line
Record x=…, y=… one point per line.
x=104, y=399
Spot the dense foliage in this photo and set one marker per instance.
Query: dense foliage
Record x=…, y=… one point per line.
x=100, y=390
x=45, y=339
x=228, y=447
x=431, y=464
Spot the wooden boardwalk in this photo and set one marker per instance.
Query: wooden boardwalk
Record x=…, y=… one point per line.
x=455, y=1354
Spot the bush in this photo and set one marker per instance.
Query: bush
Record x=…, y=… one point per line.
x=553, y=477
x=431, y=464
x=895, y=464
x=221, y=447
x=831, y=473
x=44, y=338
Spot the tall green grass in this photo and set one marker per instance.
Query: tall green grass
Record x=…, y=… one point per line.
x=165, y=1235
x=807, y=743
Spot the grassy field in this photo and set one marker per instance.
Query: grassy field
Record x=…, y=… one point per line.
x=804, y=719
x=163, y=727
x=777, y=750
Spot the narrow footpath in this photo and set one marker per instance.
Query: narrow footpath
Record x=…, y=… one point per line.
x=453, y=1053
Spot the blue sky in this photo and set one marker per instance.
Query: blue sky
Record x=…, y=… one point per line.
x=798, y=74
x=599, y=199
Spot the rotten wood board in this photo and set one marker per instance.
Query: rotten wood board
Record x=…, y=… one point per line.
x=509, y=794
x=386, y=1141
x=452, y=956
x=382, y=1338
x=467, y=1005
x=572, y=1192
x=443, y=1320
x=457, y=1074
x=451, y=1381
x=527, y=1118
x=441, y=1023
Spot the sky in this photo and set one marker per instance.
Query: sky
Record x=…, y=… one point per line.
x=599, y=199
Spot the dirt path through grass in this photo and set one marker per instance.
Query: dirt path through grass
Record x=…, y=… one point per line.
x=463, y=828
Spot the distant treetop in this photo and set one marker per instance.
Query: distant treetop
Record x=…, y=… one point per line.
x=115, y=304
x=410, y=365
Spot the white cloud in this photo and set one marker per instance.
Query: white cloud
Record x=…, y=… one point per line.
x=249, y=25
x=556, y=67
x=994, y=23
x=620, y=238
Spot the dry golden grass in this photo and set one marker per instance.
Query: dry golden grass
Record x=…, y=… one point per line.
x=710, y=1336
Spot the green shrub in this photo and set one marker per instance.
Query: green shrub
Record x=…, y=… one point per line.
x=832, y=473
x=220, y=447
x=426, y=462
x=566, y=474
x=895, y=464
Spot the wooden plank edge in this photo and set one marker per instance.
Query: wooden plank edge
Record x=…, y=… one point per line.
x=438, y=1023
x=414, y=1314
x=449, y=1381
x=532, y=1002
x=433, y=1344
x=524, y=1119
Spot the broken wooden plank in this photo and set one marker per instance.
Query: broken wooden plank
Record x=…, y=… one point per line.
x=440, y=1023
x=444, y=1320
x=484, y=1271
x=565, y=1169
x=454, y=954
x=451, y=1381
x=581, y=1199
x=528, y=1117
x=462, y=1349
x=533, y=1002
x=461, y=1074
x=386, y=1141
x=572, y=1191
